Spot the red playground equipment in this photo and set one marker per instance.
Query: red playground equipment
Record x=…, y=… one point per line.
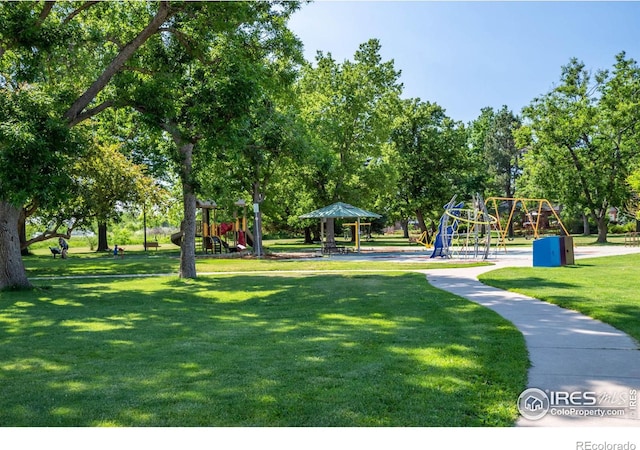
x=226, y=237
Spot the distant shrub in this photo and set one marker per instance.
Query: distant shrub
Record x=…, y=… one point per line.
x=620, y=229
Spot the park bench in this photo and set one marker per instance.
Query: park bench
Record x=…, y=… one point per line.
x=152, y=244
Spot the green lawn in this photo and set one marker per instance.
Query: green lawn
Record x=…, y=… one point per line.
x=381, y=349
x=84, y=263
x=603, y=288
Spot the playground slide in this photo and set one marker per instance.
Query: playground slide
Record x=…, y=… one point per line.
x=439, y=242
x=223, y=243
x=176, y=238
x=249, y=238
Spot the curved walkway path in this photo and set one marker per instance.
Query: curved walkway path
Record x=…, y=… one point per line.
x=569, y=352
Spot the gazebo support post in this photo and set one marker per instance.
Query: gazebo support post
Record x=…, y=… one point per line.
x=358, y=235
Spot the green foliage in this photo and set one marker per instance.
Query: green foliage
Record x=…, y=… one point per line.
x=582, y=138
x=37, y=148
x=429, y=158
x=108, y=179
x=502, y=154
x=622, y=228
x=54, y=62
x=121, y=236
x=349, y=109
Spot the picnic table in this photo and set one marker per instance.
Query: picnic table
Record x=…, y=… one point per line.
x=329, y=249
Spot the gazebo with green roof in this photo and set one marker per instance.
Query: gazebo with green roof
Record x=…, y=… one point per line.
x=340, y=210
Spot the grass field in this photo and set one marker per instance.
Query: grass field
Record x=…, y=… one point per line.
x=353, y=349
x=603, y=288
x=139, y=263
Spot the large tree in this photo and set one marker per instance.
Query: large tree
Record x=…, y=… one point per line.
x=201, y=90
x=70, y=53
x=582, y=137
x=431, y=159
x=502, y=156
x=349, y=108
x=46, y=91
x=109, y=182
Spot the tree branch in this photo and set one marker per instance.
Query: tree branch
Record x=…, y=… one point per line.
x=116, y=65
x=48, y=6
x=182, y=38
x=86, y=5
x=91, y=112
x=48, y=234
x=30, y=209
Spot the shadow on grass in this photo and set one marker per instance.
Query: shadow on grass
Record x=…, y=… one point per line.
x=256, y=351
x=105, y=264
x=519, y=284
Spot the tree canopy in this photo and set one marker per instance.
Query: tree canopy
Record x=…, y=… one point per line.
x=582, y=138
x=215, y=97
x=430, y=153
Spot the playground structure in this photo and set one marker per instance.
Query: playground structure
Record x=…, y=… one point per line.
x=423, y=239
x=536, y=217
x=471, y=241
x=226, y=237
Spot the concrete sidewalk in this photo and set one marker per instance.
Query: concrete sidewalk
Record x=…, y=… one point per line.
x=569, y=352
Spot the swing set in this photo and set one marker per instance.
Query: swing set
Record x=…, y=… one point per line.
x=535, y=211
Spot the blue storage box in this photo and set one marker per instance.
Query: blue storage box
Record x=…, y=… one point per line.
x=547, y=252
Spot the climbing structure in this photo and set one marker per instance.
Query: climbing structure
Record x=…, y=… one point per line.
x=473, y=239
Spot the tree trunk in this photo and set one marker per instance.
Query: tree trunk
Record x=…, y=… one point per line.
x=404, y=224
x=188, y=247
x=637, y=225
x=330, y=233
x=307, y=235
x=22, y=232
x=586, y=229
x=12, y=271
x=421, y=224
x=510, y=232
x=257, y=224
x=74, y=114
x=602, y=229
x=103, y=244
x=316, y=233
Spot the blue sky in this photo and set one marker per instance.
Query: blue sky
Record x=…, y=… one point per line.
x=468, y=55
